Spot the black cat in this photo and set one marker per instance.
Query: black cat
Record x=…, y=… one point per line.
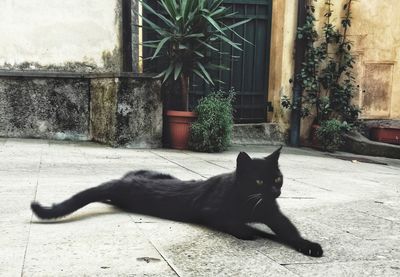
x=226, y=202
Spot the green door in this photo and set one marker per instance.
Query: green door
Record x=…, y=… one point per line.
x=248, y=73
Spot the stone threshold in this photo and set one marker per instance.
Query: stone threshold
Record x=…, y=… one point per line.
x=258, y=134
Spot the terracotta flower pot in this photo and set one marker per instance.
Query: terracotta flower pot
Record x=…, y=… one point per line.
x=315, y=143
x=313, y=134
x=179, y=123
x=385, y=134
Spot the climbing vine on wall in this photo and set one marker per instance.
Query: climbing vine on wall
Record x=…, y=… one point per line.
x=326, y=74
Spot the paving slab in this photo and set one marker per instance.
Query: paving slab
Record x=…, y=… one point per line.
x=374, y=268
x=13, y=240
x=109, y=244
x=339, y=245
x=197, y=251
x=351, y=208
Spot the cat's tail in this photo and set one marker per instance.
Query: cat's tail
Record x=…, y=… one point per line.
x=79, y=200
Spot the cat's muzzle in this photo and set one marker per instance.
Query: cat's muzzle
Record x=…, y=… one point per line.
x=276, y=192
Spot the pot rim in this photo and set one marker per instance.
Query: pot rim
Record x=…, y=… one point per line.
x=180, y=113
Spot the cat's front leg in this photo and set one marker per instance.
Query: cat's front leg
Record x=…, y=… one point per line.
x=241, y=231
x=288, y=233
x=236, y=229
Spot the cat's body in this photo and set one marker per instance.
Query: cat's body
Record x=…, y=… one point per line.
x=225, y=202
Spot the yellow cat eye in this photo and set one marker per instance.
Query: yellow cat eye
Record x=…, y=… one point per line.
x=278, y=179
x=259, y=182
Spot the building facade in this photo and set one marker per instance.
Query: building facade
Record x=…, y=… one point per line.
x=98, y=36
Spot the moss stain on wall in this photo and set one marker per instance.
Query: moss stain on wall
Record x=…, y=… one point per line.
x=103, y=107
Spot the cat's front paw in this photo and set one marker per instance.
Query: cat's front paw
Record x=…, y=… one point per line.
x=310, y=248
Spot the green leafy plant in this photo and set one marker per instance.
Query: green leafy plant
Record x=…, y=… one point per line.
x=326, y=75
x=213, y=128
x=330, y=134
x=188, y=32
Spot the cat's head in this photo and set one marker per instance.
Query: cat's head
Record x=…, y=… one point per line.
x=260, y=176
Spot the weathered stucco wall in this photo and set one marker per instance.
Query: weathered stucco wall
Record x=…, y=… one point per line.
x=376, y=35
x=71, y=35
x=284, y=21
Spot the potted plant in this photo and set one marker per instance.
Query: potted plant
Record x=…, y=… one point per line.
x=330, y=134
x=188, y=32
x=211, y=132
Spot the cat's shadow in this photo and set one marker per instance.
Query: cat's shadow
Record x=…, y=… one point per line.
x=79, y=216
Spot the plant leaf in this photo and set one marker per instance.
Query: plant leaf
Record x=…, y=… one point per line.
x=227, y=40
x=159, y=75
x=234, y=25
x=168, y=72
x=198, y=73
x=160, y=45
x=217, y=66
x=205, y=72
x=198, y=35
x=150, y=58
x=155, y=27
x=218, y=11
x=199, y=54
x=178, y=70
x=207, y=45
x=159, y=15
x=169, y=6
x=216, y=4
x=242, y=38
x=214, y=23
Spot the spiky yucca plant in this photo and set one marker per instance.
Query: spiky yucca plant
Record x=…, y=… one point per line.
x=188, y=34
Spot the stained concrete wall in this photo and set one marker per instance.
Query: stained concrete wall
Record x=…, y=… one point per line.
x=126, y=112
x=72, y=35
x=116, y=109
x=103, y=104
x=44, y=108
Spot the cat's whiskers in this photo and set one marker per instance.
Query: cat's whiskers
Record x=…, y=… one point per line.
x=257, y=204
x=255, y=196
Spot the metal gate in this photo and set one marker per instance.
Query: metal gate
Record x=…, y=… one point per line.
x=248, y=74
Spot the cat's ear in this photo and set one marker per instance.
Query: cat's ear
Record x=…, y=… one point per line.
x=275, y=155
x=242, y=159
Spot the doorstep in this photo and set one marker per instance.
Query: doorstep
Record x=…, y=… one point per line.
x=258, y=134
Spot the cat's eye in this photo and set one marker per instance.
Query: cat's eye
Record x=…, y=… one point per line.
x=259, y=182
x=278, y=180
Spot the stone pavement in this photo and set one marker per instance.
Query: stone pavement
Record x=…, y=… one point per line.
x=351, y=208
